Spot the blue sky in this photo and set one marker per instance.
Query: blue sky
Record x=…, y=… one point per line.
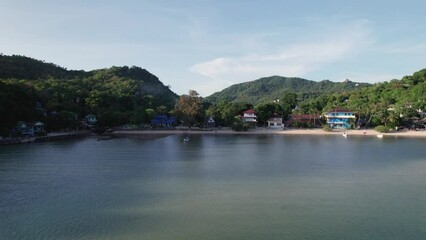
x=209, y=45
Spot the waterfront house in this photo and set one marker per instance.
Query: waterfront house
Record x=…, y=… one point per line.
x=38, y=127
x=30, y=128
x=275, y=121
x=210, y=122
x=249, y=117
x=303, y=120
x=90, y=120
x=340, y=118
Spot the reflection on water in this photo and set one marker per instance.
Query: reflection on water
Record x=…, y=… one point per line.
x=215, y=187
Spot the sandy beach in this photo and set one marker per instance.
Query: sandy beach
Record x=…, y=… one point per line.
x=319, y=132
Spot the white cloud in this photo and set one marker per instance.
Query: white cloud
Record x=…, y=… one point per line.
x=298, y=59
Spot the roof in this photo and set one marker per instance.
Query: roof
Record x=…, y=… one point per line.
x=339, y=110
x=250, y=111
x=38, y=124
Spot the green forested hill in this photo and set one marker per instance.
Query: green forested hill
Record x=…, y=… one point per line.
x=21, y=67
x=268, y=89
x=25, y=68
x=390, y=103
x=33, y=90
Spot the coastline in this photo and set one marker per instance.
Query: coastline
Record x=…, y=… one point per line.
x=54, y=136
x=266, y=131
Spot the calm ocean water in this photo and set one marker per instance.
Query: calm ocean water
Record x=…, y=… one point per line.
x=215, y=187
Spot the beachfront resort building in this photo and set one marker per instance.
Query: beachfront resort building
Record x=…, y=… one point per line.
x=249, y=116
x=276, y=121
x=340, y=118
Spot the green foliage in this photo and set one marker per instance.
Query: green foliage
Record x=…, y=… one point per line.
x=288, y=103
x=188, y=108
x=17, y=102
x=391, y=103
x=265, y=111
x=239, y=126
x=299, y=125
x=326, y=128
x=381, y=129
x=117, y=95
x=269, y=89
x=224, y=112
x=33, y=90
x=21, y=67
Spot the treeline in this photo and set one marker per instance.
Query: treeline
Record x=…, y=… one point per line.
x=394, y=103
x=31, y=90
x=269, y=89
x=21, y=67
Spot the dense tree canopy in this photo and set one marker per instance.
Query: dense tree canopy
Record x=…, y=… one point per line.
x=189, y=108
x=32, y=90
x=269, y=89
x=117, y=95
x=392, y=103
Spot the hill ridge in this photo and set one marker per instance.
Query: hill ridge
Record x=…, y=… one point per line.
x=267, y=89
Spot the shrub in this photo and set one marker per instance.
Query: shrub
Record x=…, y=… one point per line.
x=237, y=126
x=240, y=126
x=246, y=126
x=300, y=125
x=381, y=129
x=326, y=128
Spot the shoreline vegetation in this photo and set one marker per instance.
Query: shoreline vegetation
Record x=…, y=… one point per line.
x=35, y=92
x=267, y=131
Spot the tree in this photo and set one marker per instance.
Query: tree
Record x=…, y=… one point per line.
x=265, y=111
x=150, y=113
x=288, y=103
x=188, y=108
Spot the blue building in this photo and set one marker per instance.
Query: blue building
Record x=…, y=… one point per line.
x=163, y=121
x=340, y=118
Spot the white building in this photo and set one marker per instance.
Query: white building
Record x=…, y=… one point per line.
x=276, y=121
x=249, y=116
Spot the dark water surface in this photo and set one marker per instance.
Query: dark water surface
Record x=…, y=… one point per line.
x=215, y=187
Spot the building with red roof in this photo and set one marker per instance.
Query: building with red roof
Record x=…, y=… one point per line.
x=304, y=119
x=249, y=116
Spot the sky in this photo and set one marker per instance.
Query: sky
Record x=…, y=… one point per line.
x=208, y=45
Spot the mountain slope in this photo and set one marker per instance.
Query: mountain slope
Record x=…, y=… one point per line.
x=21, y=67
x=59, y=97
x=271, y=88
x=24, y=68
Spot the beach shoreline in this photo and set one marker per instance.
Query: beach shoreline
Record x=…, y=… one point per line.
x=268, y=131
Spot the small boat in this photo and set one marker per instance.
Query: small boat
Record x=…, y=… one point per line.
x=186, y=139
x=380, y=135
x=345, y=135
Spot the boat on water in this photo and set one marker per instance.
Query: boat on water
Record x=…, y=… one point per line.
x=345, y=135
x=380, y=135
x=186, y=139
